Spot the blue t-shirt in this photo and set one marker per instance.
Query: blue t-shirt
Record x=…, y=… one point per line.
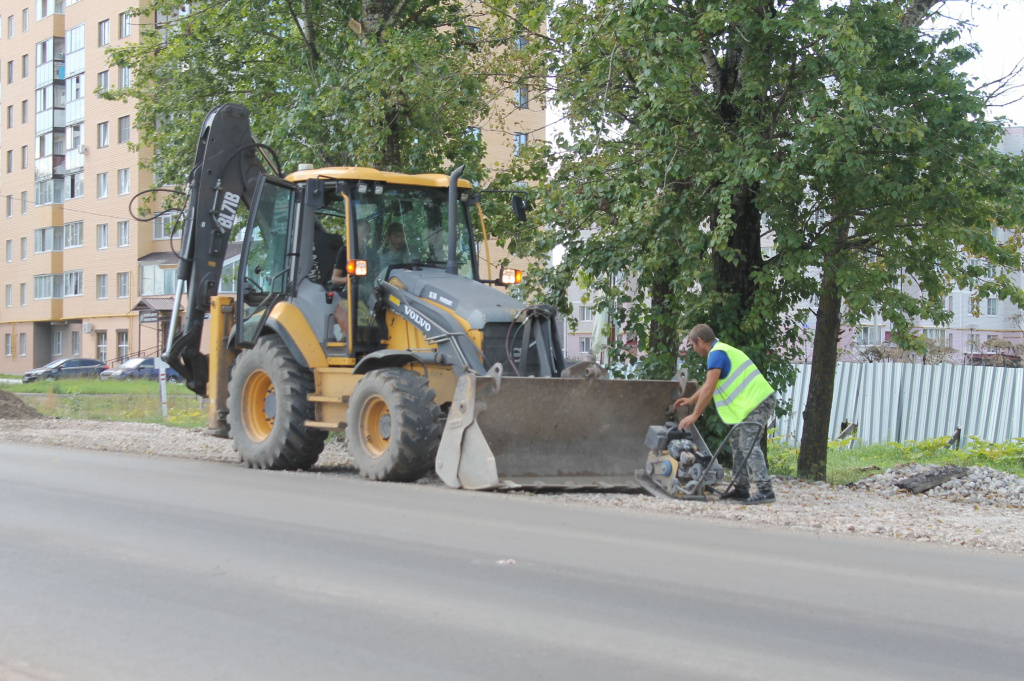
x=717, y=359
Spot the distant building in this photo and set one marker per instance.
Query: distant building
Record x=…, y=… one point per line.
x=80, y=276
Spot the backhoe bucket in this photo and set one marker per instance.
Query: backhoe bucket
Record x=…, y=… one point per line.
x=550, y=433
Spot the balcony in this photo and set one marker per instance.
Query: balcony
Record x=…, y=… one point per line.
x=49, y=72
x=75, y=62
x=74, y=160
x=49, y=120
x=49, y=166
x=74, y=112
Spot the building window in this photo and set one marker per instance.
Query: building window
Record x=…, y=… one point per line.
x=122, y=233
x=101, y=346
x=10, y=250
x=10, y=205
x=124, y=129
x=124, y=23
x=101, y=286
x=522, y=97
x=10, y=73
x=585, y=345
x=73, y=283
x=48, y=286
x=24, y=66
x=102, y=134
x=124, y=76
x=49, y=191
x=101, y=237
x=869, y=335
x=23, y=294
x=8, y=345
x=22, y=344
x=123, y=283
x=164, y=224
x=993, y=306
x=156, y=281
x=49, y=239
x=10, y=295
x=10, y=26
x=122, y=345
x=73, y=234
x=76, y=343
x=24, y=203
x=58, y=343
x=473, y=132
x=24, y=111
x=24, y=157
x=103, y=81
x=103, y=32
x=74, y=185
x=521, y=43
x=519, y=141
x=24, y=248
x=10, y=160
x=101, y=185
x=10, y=116
x=124, y=183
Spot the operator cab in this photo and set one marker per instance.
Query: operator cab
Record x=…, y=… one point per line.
x=368, y=221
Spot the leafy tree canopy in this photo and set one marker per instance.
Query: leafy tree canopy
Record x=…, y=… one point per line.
x=739, y=157
x=392, y=84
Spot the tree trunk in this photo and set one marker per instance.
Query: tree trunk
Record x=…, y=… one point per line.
x=813, y=459
x=737, y=277
x=663, y=333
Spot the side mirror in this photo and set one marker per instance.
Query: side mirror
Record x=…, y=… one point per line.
x=519, y=207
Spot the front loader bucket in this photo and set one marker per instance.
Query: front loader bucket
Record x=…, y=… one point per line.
x=550, y=433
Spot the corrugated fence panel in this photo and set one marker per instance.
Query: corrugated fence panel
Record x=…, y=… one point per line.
x=905, y=402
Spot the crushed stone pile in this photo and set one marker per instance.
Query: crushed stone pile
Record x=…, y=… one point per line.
x=11, y=407
x=982, y=486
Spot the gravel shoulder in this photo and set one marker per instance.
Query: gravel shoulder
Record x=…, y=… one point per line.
x=979, y=512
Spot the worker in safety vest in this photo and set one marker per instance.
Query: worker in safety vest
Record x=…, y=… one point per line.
x=742, y=395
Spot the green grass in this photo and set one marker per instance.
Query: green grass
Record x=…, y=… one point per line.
x=94, y=386
x=182, y=410
x=849, y=461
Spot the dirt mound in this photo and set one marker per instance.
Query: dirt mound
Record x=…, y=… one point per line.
x=11, y=407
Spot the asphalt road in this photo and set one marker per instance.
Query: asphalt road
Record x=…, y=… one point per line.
x=114, y=567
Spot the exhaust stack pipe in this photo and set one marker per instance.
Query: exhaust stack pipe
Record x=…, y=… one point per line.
x=453, y=220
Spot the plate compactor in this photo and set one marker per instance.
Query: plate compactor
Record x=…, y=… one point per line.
x=681, y=466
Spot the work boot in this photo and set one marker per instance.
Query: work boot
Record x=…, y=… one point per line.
x=737, y=493
x=765, y=496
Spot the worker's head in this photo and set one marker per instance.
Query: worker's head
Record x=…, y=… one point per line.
x=396, y=236
x=701, y=338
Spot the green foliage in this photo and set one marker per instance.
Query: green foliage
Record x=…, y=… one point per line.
x=840, y=132
x=399, y=96
x=182, y=411
x=850, y=463
x=95, y=386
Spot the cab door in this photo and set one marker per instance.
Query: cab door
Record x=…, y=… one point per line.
x=263, y=265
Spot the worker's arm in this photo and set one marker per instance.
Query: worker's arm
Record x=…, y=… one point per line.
x=703, y=399
x=339, y=277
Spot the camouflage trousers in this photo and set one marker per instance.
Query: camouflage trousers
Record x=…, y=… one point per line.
x=748, y=438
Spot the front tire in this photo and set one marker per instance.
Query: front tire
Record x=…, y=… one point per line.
x=268, y=406
x=393, y=425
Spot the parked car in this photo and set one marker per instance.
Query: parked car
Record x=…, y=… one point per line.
x=65, y=368
x=140, y=367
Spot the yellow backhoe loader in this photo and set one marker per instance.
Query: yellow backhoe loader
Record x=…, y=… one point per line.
x=422, y=362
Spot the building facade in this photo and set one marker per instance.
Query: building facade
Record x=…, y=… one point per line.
x=81, y=276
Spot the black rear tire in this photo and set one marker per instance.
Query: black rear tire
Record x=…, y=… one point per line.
x=394, y=425
x=268, y=406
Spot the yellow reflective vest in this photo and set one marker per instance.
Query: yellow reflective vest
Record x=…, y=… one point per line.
x=744, y=388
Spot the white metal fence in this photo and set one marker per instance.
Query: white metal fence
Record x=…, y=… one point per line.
x=904, y=402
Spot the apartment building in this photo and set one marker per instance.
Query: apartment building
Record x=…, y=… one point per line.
x=81, y=277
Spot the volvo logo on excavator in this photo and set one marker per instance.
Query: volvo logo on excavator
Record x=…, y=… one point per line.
x=228, y=210
x=416, y=318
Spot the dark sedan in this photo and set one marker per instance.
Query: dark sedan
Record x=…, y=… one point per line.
x=140, y=367
x=65, y=368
